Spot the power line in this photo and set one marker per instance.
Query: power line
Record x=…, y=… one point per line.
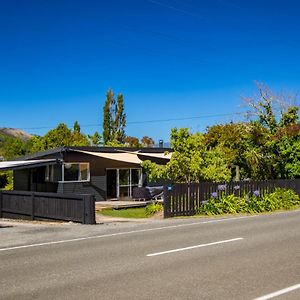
x=149, y=121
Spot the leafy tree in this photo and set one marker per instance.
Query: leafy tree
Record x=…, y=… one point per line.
x=14, y=147
x=119, y=120
x=187, y=159
x=290, y=117
x=114, y=119
x=154, y=171
x=76, y=127
x=269, y=107
x=132, y=141
x=147, y=142
x=58, y=137
x=96, y=139
x=216, y=167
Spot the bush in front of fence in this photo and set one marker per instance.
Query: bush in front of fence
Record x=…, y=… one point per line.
x=250, y=203
x=153, y=208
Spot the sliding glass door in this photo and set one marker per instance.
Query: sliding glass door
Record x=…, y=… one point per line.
x=122, y=181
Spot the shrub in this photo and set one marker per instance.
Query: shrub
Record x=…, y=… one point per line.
x=231, y=204
x=153, y=208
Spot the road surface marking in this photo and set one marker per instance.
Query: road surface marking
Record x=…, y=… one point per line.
x=132, y=232
x=194, y=247
x=280, y=292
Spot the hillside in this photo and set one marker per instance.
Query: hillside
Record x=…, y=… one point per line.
x=14, y=133
x=7, y=145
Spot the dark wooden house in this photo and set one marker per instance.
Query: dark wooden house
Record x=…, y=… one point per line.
x=107, y=173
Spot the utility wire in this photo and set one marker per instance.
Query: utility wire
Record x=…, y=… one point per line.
x=150, y=121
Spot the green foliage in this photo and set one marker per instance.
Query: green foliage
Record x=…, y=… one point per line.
x=290, y=117
x=6, y=180
x=132, y=141
x=191, y=160
x=14, y=147
x=187, y=159
x=153, y=208
x=147, y=142
x=76, y=127
x=231, y=204
x=114, y=119
x=215, y=167
x=96, y=139
x=3, y=180
x=58, y=137
x=154, y=171
x=228, y=204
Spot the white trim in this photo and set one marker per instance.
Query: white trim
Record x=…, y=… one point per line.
x=74, y=181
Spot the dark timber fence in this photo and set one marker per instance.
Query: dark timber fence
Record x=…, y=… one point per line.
x=37, y=206
x=184, y=199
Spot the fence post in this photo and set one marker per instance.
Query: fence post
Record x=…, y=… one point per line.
x=32, y=205
x=1, y=197
x=166, y=202
x=88, y=209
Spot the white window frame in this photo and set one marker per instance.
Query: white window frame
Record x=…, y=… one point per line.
x=75, y=163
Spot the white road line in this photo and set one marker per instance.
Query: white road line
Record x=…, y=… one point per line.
x=123, y=233
x=280, y=292
x=194, y=247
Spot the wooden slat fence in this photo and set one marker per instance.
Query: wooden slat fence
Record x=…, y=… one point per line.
x=53, y=206
x=184, y=199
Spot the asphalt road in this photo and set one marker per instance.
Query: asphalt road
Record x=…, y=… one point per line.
x=232, y=258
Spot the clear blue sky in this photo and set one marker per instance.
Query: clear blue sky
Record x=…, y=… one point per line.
x=169, y=58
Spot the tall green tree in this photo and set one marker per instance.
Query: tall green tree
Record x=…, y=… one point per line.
x=76, y=127
x=114, y=119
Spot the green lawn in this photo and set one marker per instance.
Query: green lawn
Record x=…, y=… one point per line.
x=139, y=212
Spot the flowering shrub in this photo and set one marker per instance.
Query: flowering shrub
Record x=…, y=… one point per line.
x=255, y=203
x=222, y=187
x=256, y=193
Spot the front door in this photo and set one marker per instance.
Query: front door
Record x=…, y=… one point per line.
x=111, y=183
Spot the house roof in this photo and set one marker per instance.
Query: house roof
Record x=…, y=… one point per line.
x=23, y=164
x=150, y=152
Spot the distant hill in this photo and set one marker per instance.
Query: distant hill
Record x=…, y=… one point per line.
x=15, y=133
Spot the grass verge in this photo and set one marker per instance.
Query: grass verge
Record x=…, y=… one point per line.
x=138, y=212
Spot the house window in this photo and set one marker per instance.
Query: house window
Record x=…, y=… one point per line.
x=53, y=173
x=76, y=172
x=49, y=173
